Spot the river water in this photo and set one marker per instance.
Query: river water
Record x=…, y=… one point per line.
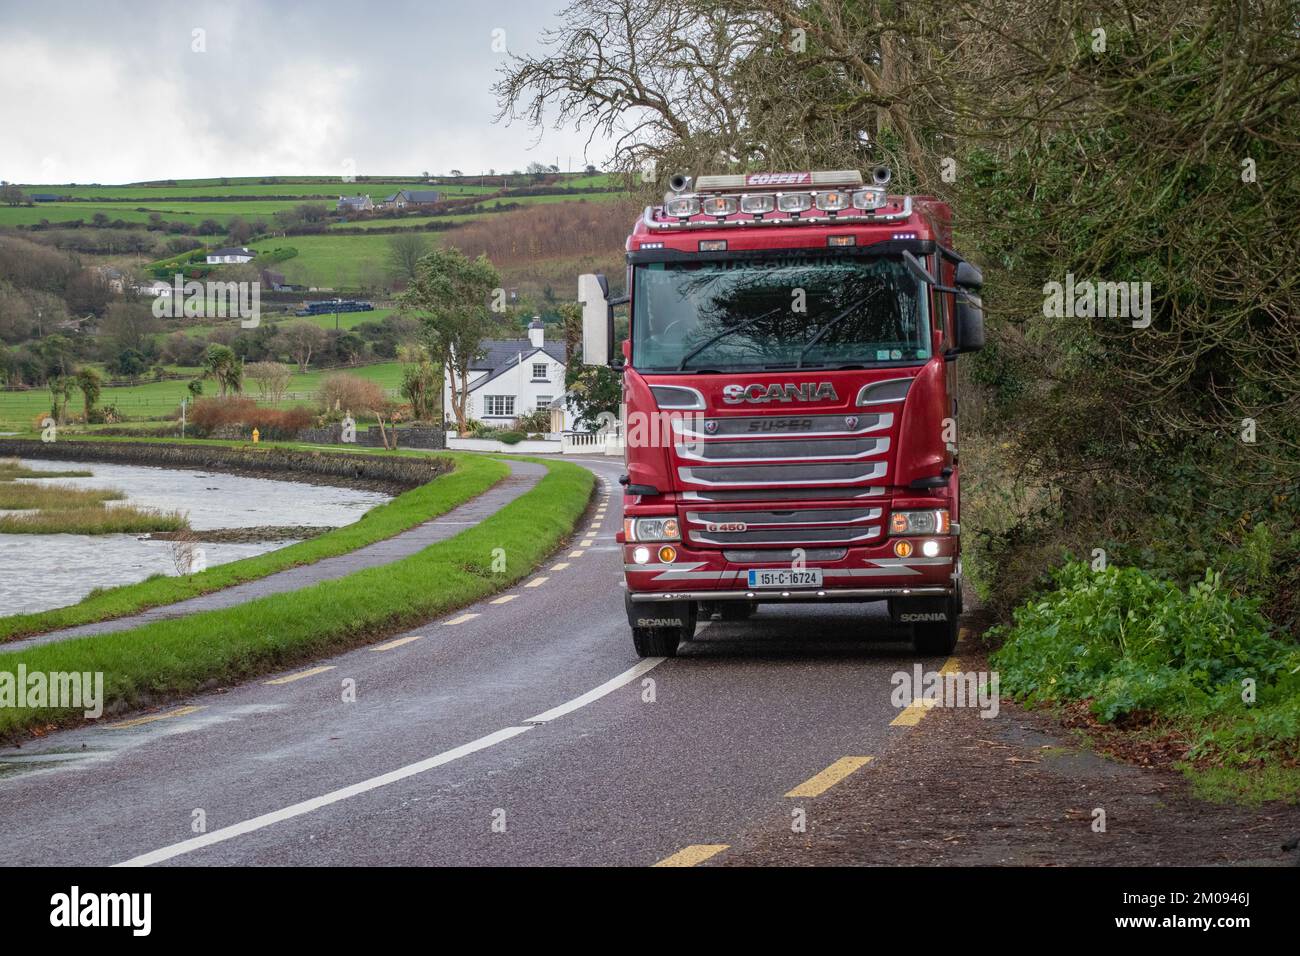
x=42, y=571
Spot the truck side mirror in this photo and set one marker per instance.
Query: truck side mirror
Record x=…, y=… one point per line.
x=968, y=277
x=597, y=319
x=970, y=322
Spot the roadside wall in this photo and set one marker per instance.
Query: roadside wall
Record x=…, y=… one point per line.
x=286, y=464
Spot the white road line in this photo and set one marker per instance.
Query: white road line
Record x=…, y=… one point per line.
x=597, y=693
x=393, y=776
x=315, y=803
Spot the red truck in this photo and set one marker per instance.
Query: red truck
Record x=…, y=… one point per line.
x=790, y=401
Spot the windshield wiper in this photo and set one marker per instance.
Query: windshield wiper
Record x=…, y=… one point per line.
x=831, y=323
x=681, y=367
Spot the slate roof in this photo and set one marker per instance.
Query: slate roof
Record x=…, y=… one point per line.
x=502, y=355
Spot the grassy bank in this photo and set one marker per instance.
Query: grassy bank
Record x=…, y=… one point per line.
x=472, y=476
x=172, y=658
x=1197, y=672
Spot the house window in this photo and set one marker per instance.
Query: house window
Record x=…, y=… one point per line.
x=498, y=405
x=544, y=400
x=539, y=372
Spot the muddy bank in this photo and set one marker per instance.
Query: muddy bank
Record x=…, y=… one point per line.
x=390, y=474
x=295, y=532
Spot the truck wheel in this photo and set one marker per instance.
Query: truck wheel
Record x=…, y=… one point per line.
x=938, y=638
x=657, y=629
x=656, y=641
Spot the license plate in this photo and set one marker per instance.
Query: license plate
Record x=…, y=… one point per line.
x=784, y=578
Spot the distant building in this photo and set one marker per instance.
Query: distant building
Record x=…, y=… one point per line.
x=274, y=281
x=355, y=204
x=412, y=197
x=236, y=255
x=516, y=377
x=46, y=197
x=157, y=288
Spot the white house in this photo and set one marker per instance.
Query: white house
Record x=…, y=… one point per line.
x=157, y=288
x=355, y=204
x=236, y=255
x=516, y=377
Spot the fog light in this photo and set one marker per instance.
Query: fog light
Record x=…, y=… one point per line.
x=642, y=555
x=903, y=548
x=930, y=548
x=667, y=555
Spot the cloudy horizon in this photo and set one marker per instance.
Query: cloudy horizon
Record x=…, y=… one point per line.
x=139, y=91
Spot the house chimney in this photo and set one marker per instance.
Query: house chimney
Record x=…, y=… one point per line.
x=536, y=333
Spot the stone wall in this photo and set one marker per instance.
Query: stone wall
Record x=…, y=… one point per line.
x=349, y=470
x=413, y=437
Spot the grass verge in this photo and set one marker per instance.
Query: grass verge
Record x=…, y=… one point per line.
x=472, y=476
x=169, y=659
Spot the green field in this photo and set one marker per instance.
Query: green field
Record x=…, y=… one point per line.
x=18, y=410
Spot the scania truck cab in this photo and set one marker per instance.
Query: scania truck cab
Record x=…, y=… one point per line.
x=789, y=402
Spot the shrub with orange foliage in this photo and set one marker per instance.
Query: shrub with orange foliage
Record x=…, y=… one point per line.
x=209, y=416
x=547, y=231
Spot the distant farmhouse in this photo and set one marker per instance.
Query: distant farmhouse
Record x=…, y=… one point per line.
x=355, y=204
x=46, y=197
x=515, y=377
x=412, y=197
x=237, y=255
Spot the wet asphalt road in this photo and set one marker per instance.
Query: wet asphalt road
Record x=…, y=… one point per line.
x=488, y=739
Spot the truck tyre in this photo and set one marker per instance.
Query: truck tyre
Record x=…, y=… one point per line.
x=656, y=641
x=660, y=639
x=938, y=638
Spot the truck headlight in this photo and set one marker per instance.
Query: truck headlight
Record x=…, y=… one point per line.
x=651, y=529
x=920, y=522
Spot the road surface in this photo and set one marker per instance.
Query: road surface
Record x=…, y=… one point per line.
x=520, y=731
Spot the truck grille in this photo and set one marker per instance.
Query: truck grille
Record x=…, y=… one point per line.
x=785, y=527
x=797, y=451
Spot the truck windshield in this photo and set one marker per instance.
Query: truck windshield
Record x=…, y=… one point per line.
x=776, y=313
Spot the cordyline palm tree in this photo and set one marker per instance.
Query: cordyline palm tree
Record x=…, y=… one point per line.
x=223, y=365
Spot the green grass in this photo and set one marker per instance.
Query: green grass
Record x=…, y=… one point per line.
x=169, y=659
x=18, y=410
x=471, y=477
x=1252, y=787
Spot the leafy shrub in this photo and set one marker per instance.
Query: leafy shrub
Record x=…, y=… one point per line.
x=509, y=437
x=1132, y=643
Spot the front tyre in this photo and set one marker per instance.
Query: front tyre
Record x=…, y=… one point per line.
x=939, y=638
x=657, y=629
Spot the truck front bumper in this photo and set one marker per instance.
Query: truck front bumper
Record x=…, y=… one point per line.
x=869, y=573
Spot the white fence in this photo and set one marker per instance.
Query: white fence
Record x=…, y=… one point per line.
x=591, y=443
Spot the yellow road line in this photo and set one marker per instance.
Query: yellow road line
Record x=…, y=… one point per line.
x=911, y=715
x=817, y=785
x=505, y=599
x=459, y=620
x=136, y=722
x=693, y=855
x=397, y=643
x=949, y=666
x=963, y=634
x=586, y=543
x=310, y=672
x=576, y=554
x=536, y=583
x=560, y=567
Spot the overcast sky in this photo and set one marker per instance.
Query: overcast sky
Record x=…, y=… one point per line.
x=113, y=91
